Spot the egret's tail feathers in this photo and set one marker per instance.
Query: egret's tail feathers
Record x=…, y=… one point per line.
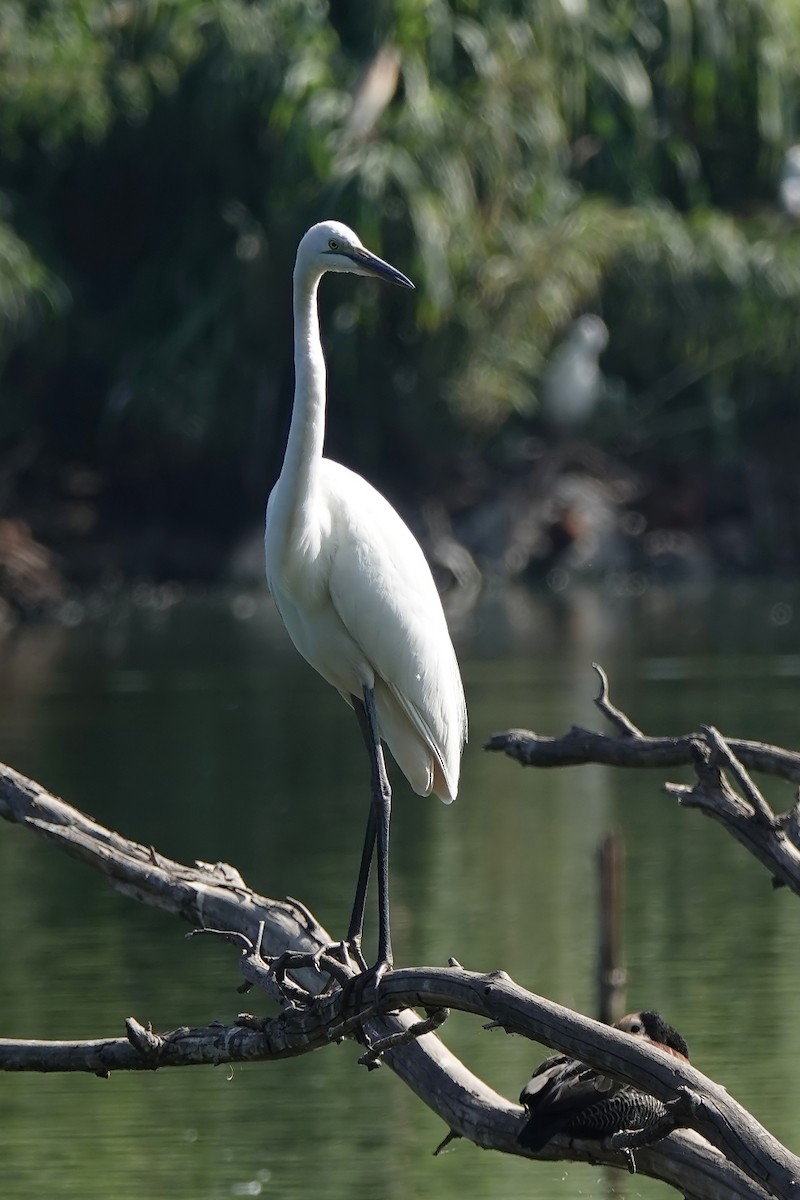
x=414, y=747
x=440, y=786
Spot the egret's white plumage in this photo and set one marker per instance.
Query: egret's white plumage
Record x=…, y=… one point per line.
x=348, y=577
x=573, y=381
x=789, y=182
x=361, y=606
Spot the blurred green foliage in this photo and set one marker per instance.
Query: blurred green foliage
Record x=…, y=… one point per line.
x=522, y=160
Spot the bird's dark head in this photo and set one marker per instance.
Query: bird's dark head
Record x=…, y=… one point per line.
x=332, y=246
x=651, y=1024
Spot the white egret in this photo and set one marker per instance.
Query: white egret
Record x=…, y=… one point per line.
x=789, y=182
x=355, y=592
x=573, y=381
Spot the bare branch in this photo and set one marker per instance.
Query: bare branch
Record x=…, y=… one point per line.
x=579, y=747
x=631, y=747
x=207, y=895
x=747, y=1162
x=144, y=1051
x=744, y=813
x=771, y=846
x=728, y=760
x=625, y=727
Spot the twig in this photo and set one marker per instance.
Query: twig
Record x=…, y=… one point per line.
x=449, y=1137
x=305, y=913
x=228, y=935
x=616, y=716
x=431, y=1022
x=722, y=750
x=143, y=1039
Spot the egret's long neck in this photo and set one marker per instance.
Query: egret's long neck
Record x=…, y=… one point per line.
x=307, y=430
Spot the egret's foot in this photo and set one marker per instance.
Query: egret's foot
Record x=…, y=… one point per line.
x=366, y=986
x=351, y=952
x=333, y=960
x=377, y=973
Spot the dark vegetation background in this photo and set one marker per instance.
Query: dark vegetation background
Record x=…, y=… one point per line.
x=524, y=161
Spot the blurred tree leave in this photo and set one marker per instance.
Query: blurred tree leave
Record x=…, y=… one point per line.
x=523, y=160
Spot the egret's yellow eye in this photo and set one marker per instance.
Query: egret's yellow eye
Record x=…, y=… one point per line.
x=333, y=244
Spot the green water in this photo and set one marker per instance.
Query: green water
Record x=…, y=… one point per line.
x=196, y=728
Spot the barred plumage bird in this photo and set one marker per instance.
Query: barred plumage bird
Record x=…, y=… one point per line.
x=565, y=1095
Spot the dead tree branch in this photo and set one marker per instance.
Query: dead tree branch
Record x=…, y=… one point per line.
x=207, y=895
x=724, y=791
x=732, y=1156
x=630, y=748
x=470, y=1108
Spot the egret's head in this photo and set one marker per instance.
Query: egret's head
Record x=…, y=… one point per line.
x=791, y=161
x=592, y=332
x=331, y=246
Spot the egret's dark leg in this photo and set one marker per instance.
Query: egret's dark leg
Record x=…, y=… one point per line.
x=377, y=830
x=355, y=929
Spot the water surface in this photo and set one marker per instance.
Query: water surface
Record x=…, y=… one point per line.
x=194, y=726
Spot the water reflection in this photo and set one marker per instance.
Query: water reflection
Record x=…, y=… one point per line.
x=194, y=726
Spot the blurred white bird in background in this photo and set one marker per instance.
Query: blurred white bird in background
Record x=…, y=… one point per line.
x=789, y=182
x=355, y=592
x=573, y=382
